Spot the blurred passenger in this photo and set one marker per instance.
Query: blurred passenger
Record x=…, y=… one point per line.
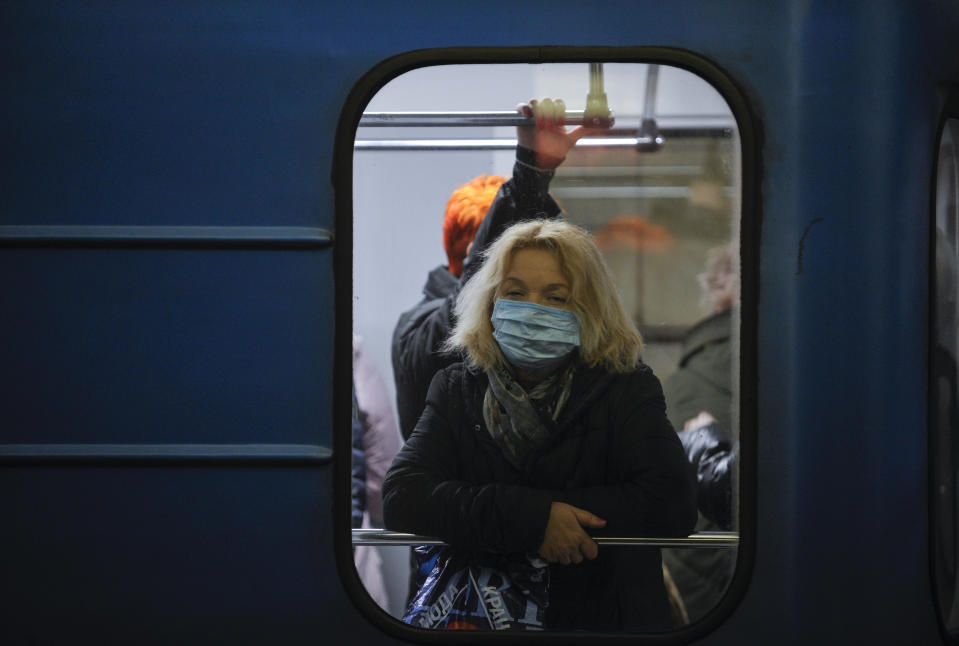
x=702, y=382
x=375, y=448
x=421, y=331
x=699, y=401
x=552, y=429
x=358, y=468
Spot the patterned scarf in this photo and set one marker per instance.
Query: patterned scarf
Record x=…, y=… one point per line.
x=515, y=418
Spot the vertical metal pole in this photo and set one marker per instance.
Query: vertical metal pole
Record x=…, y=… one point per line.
x=596, y=78
x=650, y=139
x=652, y=84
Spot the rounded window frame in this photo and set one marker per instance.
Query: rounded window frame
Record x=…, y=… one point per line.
x=750, y=229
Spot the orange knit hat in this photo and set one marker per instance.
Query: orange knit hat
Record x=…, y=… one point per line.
x=465, y=210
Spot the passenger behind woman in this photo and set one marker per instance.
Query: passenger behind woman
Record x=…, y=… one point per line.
x=417, y=339
x=550, y=432
x=421, y=330
x=702, y=382
x=699, y=400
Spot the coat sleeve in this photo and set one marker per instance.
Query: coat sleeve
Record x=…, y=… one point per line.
x=524, y=196
x=427, y=493
x=416, y=356
x=713, y=455
x=651, y=489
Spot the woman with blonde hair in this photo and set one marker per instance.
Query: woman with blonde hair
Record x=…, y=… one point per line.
x=551, y=431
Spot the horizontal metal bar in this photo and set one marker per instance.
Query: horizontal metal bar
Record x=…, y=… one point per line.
x=722, y=540
x=479, y=144
x=417, y=145
x=693, y=170
x=620, y=192
x=119, y=454
x=626, y=192
x=164, y=236
x=456, y=118
x=510, y=144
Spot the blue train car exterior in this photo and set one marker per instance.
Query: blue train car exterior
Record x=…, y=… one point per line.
x=175, y=234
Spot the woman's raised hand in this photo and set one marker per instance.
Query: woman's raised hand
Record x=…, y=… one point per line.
x=566, y=541
x=548, y=136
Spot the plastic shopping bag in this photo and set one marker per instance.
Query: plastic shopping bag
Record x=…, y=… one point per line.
x=478, y=592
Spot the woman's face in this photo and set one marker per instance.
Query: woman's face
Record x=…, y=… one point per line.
x=534, y=275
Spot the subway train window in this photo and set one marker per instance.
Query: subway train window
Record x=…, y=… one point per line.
x=546, y=335
x=944, y=389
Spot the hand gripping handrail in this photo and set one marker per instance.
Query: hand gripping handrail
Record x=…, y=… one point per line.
x=715, y=540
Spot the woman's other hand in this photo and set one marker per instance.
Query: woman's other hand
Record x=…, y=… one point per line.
x=548, y=136
x=566, y=541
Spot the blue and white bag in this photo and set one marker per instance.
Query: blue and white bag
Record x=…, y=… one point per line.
x=478, y=592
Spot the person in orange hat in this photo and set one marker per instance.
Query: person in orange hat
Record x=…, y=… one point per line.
x=467, y=231
x=422, y=329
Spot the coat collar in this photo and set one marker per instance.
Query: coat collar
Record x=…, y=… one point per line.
x=713, y=329
x=440, y=283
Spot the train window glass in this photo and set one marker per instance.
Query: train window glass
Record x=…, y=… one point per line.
x=660, y=191
x=945, y=385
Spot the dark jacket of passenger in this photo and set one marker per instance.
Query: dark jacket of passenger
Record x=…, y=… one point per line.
x=702, y=575
x=421, y=330
x=703, y=380
x=703, y=383
x=613, y=453
x=417, y=339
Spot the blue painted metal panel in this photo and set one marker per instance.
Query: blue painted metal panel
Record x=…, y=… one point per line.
x=189, y=346
x=159, y=556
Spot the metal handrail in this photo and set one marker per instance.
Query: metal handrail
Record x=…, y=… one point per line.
x=720, y=540
x=617, y=140
x=478, y=144
x=457, y=118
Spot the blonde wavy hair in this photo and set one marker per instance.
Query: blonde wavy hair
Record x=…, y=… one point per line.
x=607, y=335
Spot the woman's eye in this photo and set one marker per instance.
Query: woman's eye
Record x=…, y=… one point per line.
x=514, y=293
x=557, y=299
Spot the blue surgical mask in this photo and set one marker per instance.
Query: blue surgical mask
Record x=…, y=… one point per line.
x=534, y=337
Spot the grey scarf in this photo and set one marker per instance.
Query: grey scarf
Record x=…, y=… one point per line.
x=511, y=413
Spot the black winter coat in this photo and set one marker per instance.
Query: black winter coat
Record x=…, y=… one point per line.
x=417, y=339
x=703, y=383
x=702, y=575
x=420, y=331
x=614, y=454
